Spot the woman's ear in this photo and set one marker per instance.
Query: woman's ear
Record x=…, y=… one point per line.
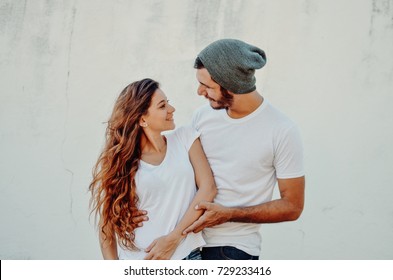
x=142, y=122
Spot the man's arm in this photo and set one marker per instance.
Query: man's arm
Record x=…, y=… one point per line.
x=287, y=208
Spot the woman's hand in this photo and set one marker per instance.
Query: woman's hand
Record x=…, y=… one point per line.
x=163, y=247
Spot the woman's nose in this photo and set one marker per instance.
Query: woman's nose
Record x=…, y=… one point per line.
x=172, y=109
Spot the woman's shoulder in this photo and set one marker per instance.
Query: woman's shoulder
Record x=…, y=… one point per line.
x=185, y=134
x=181, y=130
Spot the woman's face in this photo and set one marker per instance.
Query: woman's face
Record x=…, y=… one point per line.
x=159, y=116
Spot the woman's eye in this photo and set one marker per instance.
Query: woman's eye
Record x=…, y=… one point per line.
x=164, y=105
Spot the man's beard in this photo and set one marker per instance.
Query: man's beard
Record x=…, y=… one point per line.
x=225, y=101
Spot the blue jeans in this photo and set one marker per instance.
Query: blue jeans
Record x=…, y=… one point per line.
x=225, y=253
x=194, y=255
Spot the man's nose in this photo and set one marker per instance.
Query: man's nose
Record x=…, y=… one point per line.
x=201, y=90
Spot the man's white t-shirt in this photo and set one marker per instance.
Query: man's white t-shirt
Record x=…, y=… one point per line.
x=247, y=155
x=165, y=191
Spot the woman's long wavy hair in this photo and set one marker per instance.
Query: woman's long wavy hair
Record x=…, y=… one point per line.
x=113, y=189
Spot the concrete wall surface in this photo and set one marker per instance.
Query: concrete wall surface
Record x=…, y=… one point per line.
x=63, y=63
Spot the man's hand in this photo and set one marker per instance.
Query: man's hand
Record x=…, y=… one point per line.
x=139, y=217
x=215, y=214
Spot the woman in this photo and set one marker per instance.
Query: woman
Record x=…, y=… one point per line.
x=141, y=168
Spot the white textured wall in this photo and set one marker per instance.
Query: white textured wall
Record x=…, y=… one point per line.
x=63, y=63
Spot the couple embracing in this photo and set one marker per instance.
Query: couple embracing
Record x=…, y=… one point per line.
x=200, y=191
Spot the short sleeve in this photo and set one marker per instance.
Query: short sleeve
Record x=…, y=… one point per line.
x=187, y=135
x=288, y=159
x=195, y=119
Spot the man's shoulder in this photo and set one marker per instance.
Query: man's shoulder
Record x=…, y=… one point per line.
x=278, y=117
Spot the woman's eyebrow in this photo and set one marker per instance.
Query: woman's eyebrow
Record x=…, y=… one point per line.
x=162, y=101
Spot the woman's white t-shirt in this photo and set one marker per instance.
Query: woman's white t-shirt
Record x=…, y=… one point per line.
x=165, y=191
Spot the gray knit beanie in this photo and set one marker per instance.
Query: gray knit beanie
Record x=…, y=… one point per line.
x=232, y=64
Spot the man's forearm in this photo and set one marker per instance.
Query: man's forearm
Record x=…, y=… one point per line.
x=270, y=212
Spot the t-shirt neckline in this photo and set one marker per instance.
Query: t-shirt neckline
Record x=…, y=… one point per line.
x=256, y=112
x=149, y=165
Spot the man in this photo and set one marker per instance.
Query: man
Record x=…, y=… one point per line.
x=250, y=146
